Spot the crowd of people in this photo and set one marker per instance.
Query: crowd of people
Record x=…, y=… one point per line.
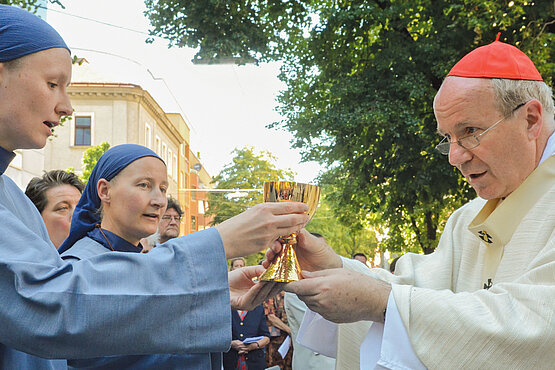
x=77, y=291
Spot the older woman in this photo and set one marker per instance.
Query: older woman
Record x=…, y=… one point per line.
x=55, y=195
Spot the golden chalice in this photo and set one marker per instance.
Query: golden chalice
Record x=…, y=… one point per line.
x=285, y=268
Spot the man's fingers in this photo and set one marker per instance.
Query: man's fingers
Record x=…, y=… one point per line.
x=305, y=287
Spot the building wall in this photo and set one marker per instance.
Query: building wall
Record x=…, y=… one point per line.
x=26, y=165
x=120, y=113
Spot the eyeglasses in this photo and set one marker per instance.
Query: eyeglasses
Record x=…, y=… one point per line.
x=470, y=141
x=170, y=218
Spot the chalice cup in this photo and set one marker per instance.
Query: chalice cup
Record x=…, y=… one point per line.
x=285, y=268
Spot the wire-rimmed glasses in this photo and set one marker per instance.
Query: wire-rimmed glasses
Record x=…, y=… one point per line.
x=470, y=141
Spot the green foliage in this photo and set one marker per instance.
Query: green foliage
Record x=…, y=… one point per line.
x=90, y=157
x=345, y=239
x=247, y=170
x=361, y=77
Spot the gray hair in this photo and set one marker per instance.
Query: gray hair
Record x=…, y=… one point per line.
x=510, y=93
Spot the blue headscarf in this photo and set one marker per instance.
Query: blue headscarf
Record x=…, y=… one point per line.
x=23, y=33
x=86, y=215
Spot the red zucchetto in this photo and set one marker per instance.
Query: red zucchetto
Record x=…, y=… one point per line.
x=496, y=60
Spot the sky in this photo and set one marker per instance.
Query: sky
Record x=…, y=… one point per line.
x=226, y=106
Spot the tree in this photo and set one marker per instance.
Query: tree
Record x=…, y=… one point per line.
x=247, y=170
x=346, y=240
x=361, y=76
x=90, y=157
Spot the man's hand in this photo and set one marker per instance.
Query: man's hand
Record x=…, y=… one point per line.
x=256, y=228
x=313, y=253
x=341, y=295
x=246, y=294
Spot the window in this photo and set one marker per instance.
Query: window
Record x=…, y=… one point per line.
x=193, y=223
x=148, y=135
x=164, y=152
x=169, y=163
x=182, y=149
x=193, y=193
x=174, y=166
x=82, y=130
x=181, y=180
x=157, y=149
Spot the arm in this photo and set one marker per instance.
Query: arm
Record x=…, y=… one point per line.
x=77, y=304
x=64, y=310
x=276, y=321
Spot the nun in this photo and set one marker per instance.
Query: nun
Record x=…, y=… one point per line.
x=122, y=203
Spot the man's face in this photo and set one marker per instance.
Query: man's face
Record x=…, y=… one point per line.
x=169, y=225
x=506, y=154
x=33, y=98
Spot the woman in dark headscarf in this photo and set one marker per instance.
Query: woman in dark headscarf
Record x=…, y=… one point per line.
x=122, y=203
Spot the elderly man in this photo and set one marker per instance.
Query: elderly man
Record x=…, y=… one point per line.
x=168, y=228
x=485, y=298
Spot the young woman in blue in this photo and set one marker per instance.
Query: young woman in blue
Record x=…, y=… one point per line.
x=123, y=202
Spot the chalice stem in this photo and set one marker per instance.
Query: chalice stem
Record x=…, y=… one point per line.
x=285, y=267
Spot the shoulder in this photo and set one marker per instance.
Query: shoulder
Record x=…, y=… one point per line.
x=84, y=248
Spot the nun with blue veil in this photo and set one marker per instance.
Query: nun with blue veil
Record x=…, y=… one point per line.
x=122, y=203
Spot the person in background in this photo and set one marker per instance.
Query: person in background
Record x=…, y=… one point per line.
x=168, y=228
x=361, y=257
x=53, y=309
x=279, y=330
x=246, y=324
x=393, y=264
x=236, y=263
x=55, y=195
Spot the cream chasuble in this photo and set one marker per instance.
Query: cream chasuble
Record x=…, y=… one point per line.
x=486, y=297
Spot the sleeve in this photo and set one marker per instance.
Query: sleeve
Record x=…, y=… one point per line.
x=172, y=300
x=510, y=325
x=389, y=345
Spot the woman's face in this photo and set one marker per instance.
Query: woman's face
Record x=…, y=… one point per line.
x=134, y=201
x=33, y=98
x=61, y=201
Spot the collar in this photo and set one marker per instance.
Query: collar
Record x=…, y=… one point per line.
x=118, y=243
x=549, y=148
x=5, y=159
x=496, y=223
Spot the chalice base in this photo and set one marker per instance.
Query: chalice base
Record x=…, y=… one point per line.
x=285, y=267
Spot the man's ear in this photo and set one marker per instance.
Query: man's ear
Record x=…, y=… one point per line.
x=534, y=119
x=103, y=190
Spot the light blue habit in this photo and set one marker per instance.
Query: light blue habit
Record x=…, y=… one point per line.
x=87, y=239
x=172, y=300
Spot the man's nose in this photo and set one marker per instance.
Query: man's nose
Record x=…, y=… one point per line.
x=458, y=155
